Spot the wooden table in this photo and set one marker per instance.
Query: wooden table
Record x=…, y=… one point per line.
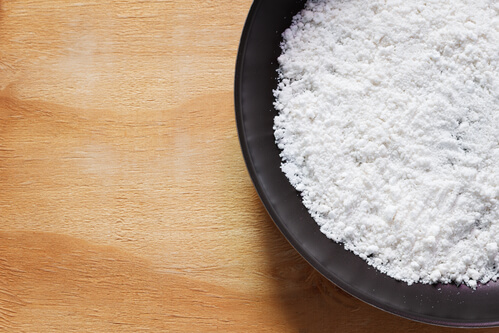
x=125, y=204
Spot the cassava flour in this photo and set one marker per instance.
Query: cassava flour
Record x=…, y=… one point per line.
x=388, y=122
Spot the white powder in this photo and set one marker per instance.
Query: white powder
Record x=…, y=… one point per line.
x=389, y=127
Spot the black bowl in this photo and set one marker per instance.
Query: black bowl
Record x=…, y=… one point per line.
x=256, y=77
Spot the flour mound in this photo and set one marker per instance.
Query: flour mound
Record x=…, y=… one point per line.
x=388, y=123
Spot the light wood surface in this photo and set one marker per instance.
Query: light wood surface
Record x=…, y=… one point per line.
x=125, y=204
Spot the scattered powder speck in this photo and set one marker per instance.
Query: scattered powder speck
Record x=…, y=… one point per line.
x=388, y=122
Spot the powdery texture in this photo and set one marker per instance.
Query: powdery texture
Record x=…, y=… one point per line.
x=389, y=126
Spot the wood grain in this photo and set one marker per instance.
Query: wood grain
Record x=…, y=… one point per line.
x=125, y=204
